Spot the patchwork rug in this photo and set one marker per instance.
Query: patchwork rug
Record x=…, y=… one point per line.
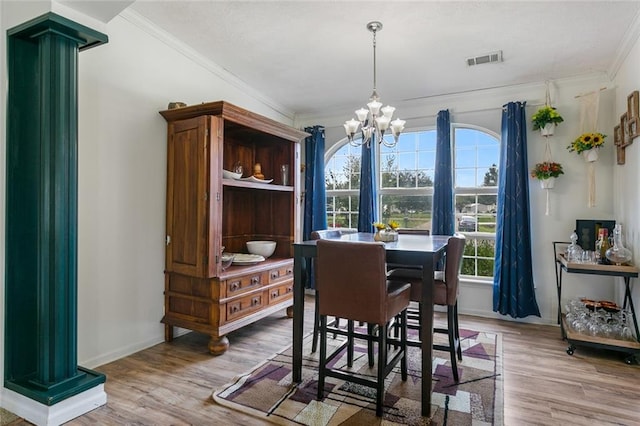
x=268, y=393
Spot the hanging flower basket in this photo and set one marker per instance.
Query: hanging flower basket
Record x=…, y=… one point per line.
x=548, y=129
x=590, y=155
x=587, y=142
x=547, y=170
x=547, y=183
x=545, y=120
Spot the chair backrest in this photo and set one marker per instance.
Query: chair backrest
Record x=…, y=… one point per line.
x=323, y=234
x=455, y=250
x=413, y=231
x=352, y=280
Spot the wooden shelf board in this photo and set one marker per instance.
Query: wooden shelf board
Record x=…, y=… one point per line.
x=580, y=337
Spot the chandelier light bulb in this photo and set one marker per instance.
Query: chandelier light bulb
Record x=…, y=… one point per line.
x=369, y=120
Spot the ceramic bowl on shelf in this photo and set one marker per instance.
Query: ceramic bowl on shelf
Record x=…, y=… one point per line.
x=263, y=248
x=230, y=175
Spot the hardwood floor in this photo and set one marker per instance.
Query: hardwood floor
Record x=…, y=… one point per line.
x=171, y=384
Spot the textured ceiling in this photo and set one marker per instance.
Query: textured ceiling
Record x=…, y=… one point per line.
x=308, y=56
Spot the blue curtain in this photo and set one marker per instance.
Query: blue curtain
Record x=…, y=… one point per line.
x=443, y=215
x=315, y=203
x=513, y=289
x=367, y=213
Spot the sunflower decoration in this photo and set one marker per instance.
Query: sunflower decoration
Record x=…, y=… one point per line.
x=394, y=225
x=586, y=141
x=379, y=226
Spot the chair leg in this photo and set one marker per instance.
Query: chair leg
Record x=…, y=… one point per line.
x=370, y=345
x=350, y=339
x=457, y=329
x=337, y=325
x=452, y=342
x=316, y=323
x=403, y=345
x=322, y=362
x=382, y=363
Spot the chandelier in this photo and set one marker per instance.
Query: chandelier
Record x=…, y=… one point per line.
x=371, y=121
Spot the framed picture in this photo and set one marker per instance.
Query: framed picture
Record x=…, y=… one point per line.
x=634, y=128
x=624, y=128
x=632, y=105
x=617, y=137
x=587, y=230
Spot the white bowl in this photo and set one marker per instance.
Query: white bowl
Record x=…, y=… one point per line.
x=230, y=175
x=263, y=248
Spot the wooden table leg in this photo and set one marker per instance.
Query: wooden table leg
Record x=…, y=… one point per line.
x=426, y=334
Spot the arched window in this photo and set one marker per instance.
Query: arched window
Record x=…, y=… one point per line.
x=405, y=187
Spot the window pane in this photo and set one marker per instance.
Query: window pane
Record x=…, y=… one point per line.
x=410, y=211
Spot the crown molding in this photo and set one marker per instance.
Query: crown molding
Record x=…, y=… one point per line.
x=628, y=41
x=165, y=37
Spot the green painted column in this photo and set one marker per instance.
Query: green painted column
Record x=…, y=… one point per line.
x=42, y=205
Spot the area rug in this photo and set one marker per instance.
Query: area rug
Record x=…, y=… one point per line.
x=267, y=391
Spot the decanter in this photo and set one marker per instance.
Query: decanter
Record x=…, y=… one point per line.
x=574, y=251
x=618, y=254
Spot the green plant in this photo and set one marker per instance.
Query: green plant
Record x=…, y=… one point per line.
x=544, y=116
x=586, y=141
x=547, y=170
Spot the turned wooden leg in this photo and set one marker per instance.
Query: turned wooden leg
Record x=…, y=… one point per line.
x=168, y=332
x=290, y=312
x=218, y=345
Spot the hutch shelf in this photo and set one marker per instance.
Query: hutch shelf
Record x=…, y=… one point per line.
x=206, y=213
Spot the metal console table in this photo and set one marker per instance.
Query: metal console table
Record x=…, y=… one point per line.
x=632, y=348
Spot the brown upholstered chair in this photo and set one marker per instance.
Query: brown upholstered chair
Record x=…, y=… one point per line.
x=352, y=280
x=321, y=235
x=445, y=294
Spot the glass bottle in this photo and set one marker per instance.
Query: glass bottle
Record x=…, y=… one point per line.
x=602, y=245
x=618, y=254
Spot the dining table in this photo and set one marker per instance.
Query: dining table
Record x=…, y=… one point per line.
x=424, y=251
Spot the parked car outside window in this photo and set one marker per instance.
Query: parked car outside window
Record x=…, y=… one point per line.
x=467, y=224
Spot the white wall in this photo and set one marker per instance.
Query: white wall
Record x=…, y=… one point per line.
x=627, y=176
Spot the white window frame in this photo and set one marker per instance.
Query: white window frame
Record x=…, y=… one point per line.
x=428, y=191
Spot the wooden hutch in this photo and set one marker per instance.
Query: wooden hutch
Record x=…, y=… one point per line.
x=206, y=212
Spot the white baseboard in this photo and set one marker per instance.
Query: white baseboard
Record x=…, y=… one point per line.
x=41, y=414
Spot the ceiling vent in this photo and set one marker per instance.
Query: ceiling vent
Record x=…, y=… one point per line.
x=486, y=59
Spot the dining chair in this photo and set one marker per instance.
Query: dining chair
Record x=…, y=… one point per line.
x=318, y=235
x=352, y=279
x=445, y=293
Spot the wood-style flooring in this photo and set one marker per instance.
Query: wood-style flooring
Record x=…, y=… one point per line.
x=171, y=383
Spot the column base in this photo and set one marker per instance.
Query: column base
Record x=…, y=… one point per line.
x=80, y=400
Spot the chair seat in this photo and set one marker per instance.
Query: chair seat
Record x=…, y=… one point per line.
x=414, y=276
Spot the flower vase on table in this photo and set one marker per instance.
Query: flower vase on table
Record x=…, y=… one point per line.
x=386, y=233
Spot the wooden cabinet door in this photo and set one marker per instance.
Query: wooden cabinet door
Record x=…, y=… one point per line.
x=189, y=242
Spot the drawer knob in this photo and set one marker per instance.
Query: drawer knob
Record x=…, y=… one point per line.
x=234, y=286
x=274, y=274
x=275, y=294
x=255, y=301
x=234, y=309
x=255, y=280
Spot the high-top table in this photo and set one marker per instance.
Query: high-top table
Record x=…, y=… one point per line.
x=420, y=250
